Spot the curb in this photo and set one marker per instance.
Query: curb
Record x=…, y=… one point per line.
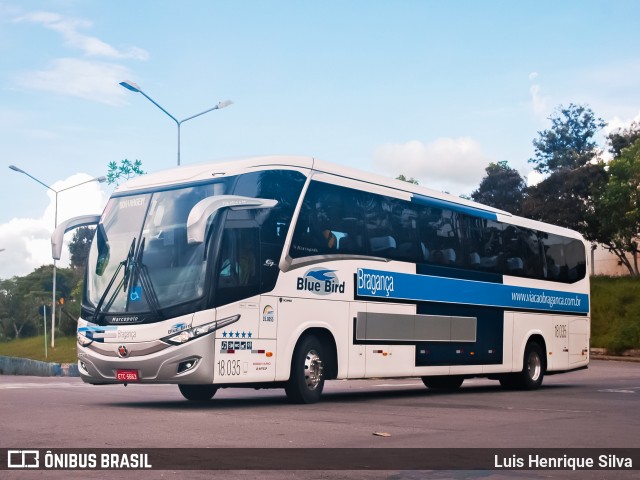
x=626, y=356
x=36, y=368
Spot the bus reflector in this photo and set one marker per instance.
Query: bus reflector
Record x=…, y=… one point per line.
x=269, y=354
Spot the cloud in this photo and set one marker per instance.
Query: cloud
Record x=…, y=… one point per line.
x=27, y=241
x=454, y=165
x=539, y=102
x=94, y=77
x=97, y=81
x=533, y=178
x=90, y=46
x=617, y=123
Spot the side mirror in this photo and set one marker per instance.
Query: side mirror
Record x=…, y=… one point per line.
x=201, y=211
x=57, y=236
x=103, y=250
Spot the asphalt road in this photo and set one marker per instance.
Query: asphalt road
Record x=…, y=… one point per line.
x=594, y=408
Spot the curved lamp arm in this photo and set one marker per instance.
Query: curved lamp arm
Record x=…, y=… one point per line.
x=201, y=211
x=57, y=236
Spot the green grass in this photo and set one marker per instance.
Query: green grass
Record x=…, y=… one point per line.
x=615, y=313
x=33, y=347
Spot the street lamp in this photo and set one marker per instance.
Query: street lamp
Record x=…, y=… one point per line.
x=135, y=88
x=53, y=292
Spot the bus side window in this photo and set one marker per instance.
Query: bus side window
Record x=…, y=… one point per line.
x=237, y=272
x=439, y=236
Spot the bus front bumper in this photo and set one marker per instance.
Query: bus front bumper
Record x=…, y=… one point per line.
x=153, y=362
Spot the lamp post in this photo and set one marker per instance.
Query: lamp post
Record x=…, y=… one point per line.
x=53, y=290
x=135, y=88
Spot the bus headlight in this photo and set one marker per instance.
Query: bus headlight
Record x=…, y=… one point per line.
x=83, y=340
x=199, y=331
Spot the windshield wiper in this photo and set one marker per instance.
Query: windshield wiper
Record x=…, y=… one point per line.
x=126, y=264
x=140, y=274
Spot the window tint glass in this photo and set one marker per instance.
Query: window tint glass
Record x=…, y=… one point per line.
x=285, y=187
x=565, y=258
x=439, y=236
x=237, y=274
x=330, y=222
x=336, y=220
x=281, y=185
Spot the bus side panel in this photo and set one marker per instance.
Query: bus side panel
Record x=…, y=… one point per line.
x=295, y=315
x=507, y=348
x=579, y=335
x=390, y=360
x=240, y=354
x=356, y=351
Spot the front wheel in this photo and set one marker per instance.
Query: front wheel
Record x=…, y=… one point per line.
x=198, y=393
x=307, y=372
x=443, y=382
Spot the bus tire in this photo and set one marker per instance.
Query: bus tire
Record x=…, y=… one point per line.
x=306, y=381
x=443, y=382
x=198, y=393
x=533, y=369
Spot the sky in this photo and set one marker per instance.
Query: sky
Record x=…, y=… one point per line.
x=430, y=89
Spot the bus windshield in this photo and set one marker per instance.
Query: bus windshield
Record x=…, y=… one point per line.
x=140, y=260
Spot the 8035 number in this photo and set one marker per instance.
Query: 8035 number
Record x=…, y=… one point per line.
x=228, y=368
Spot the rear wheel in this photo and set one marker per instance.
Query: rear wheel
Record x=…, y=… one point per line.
x=198, y=393
x=307, y=372
x=443, y=382
x=533, y=369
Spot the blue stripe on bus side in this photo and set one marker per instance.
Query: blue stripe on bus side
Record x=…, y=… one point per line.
x=434, y=202
x=425, y=288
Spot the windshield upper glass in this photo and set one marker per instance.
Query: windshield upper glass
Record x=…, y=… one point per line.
x=141, y=250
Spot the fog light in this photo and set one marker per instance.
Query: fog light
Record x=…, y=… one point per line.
x=187, y=365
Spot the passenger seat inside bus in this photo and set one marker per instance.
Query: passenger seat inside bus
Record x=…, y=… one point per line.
x=382, y=246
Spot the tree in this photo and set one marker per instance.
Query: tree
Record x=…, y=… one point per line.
x=619, y=208
x=577, y=177
x=125, y=170
x=405, y=179
x=79, y=247
x=568, y=198
x=623, y=138
x=569, y=142
x=21, y=297
x=502, y=187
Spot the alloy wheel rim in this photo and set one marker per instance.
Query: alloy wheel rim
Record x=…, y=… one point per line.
x=534, y=366
x=313, y=369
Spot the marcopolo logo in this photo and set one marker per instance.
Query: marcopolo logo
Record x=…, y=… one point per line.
x=320, y=281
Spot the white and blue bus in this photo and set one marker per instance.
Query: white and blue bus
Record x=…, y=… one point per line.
x=289, y=271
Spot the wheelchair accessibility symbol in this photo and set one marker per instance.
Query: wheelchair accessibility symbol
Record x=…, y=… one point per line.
x=135, y=294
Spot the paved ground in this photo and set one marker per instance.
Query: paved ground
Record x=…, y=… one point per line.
x=596, y=408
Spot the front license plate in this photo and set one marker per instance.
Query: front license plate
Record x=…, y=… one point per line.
x=127, y=375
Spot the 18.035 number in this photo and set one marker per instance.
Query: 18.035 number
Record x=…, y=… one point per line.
x=561, y=331
x=228, y=368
